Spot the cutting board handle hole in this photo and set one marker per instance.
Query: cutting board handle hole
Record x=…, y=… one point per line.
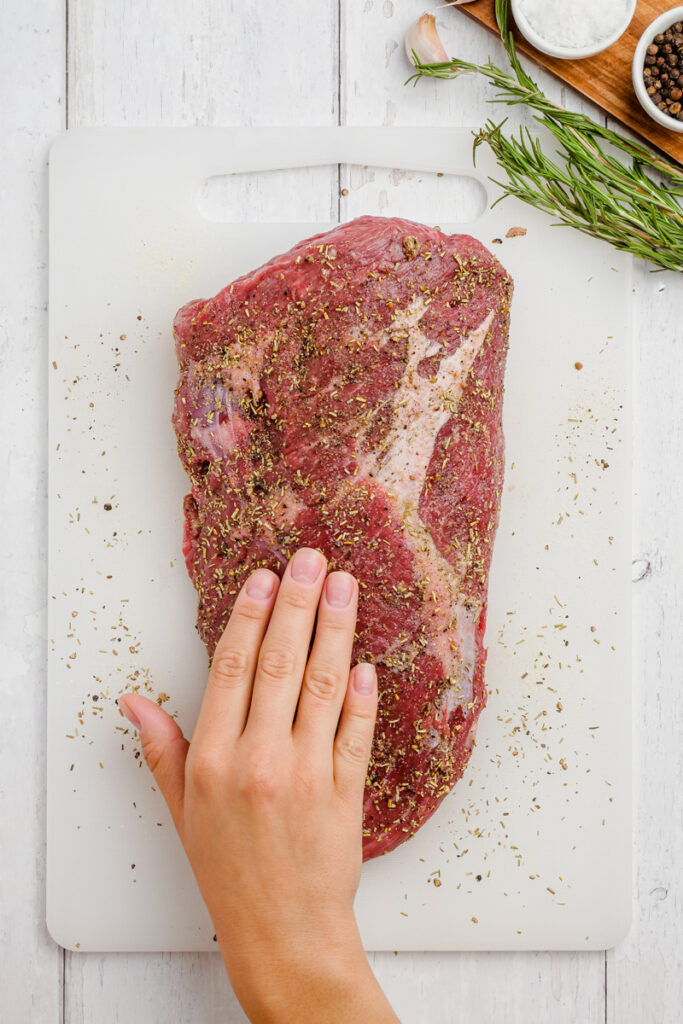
x=341, y=192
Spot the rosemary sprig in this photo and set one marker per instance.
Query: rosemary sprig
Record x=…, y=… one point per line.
x=586, y=184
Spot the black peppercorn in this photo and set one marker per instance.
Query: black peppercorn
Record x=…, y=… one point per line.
x=662, y=72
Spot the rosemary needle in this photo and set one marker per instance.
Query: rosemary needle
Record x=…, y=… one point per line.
x=586, y=184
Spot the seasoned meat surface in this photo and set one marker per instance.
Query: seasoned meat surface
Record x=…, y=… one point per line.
x=347, y=395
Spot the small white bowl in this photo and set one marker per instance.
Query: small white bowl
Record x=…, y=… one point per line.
x=660, y=24
x=565, y=52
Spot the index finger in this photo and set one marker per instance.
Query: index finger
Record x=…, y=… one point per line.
x=282, y=659
x=225, y=706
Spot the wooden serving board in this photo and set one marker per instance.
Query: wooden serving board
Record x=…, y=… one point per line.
x=605, y=78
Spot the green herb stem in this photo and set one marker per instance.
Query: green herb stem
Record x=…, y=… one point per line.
x=586, y=184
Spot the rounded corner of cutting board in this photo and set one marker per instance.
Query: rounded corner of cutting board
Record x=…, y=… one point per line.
x=55, y=928
x=620, y=927
x=58, y=145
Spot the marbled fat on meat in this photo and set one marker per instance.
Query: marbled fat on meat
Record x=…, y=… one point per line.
x=347, y=396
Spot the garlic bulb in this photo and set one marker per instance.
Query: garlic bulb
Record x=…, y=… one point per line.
x=423, y=40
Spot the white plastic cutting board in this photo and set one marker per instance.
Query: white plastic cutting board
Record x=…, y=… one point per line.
x=532, y=849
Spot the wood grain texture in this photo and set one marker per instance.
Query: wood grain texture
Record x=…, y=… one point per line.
x=139, y=988
x=605, y=78
x=203, y=62
x=31, y=113
x=645, y=973
x=211, y=62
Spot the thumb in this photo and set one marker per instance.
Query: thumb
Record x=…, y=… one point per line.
x=164, y=746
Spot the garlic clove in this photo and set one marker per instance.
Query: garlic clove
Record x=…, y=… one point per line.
x=423, y=40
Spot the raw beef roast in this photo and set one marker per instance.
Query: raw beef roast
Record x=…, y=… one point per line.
x=347, y=396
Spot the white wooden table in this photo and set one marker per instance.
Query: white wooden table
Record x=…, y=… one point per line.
x=188, y=62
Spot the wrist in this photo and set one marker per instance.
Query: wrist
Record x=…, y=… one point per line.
x=310, y=981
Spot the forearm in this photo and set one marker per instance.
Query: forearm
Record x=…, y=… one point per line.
x=268, y=796
x=313, y=985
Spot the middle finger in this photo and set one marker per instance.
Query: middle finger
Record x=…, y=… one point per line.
x=284, y=651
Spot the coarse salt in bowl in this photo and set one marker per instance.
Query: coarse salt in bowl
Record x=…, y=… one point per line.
x=571, y=29
x=660, y=24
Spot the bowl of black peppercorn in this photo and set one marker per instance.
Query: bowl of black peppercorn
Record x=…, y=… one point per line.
x=658, y=70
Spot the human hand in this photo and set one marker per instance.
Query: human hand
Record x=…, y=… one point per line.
x=267, y=798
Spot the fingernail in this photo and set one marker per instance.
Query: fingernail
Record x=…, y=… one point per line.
x=364, y=679
x=133, y=719
x=339, y=589
x=307, y=565
x=261, y=584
